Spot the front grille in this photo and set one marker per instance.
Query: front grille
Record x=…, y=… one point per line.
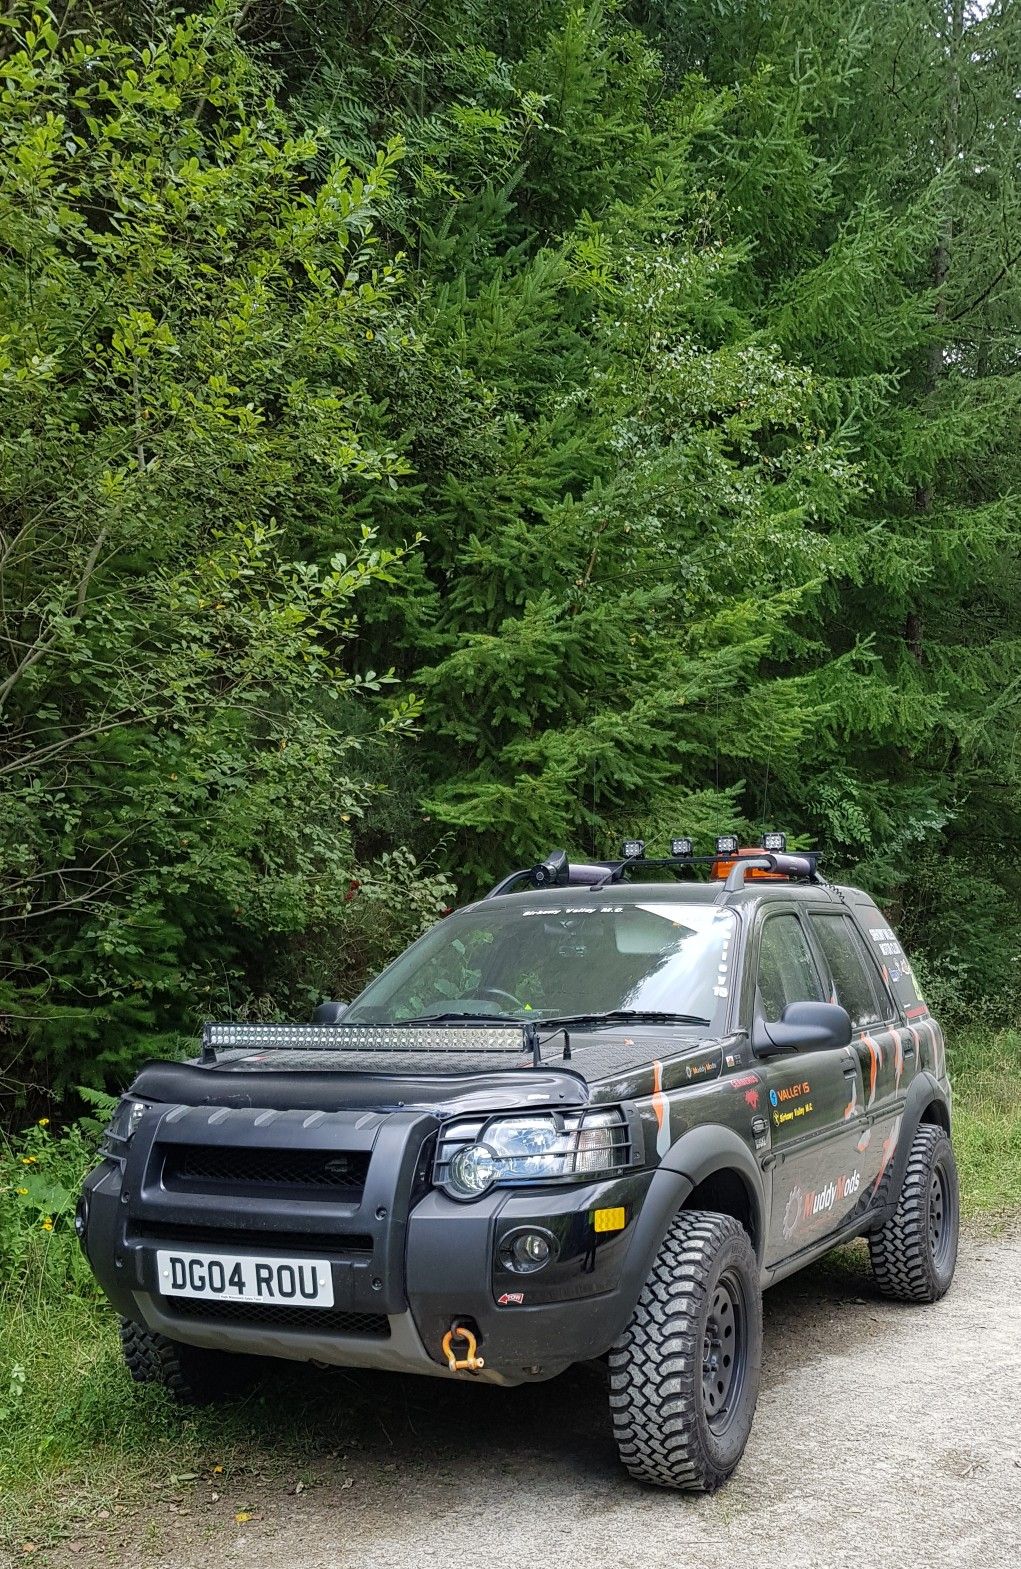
x=258, y=1314
x=228, y=1239
x=328, y=1174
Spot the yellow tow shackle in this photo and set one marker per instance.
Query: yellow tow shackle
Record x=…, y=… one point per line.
x=466, y=1364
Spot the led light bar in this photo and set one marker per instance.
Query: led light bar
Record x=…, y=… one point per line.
x=727, y=844
x=455, y=1038
x=681, y=847
x=777, y=843
x=633, y=849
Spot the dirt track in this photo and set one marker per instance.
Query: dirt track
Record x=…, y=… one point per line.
x=885, y=1436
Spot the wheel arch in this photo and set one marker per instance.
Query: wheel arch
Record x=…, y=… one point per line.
x=926, y=1102
x=723, y=1177
x=708, y=1163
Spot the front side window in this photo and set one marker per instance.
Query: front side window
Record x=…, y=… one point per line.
x=521, y=961
x=853, y=987
x=787, y=971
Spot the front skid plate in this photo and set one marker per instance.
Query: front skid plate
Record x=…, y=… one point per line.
x=402, y=1352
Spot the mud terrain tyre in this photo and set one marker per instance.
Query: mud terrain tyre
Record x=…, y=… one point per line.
x=192, y=1375
x=915, y=1252
x=684, y=1376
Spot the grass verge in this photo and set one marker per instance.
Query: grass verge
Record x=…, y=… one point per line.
x=985, y=1071
x=77, y=1438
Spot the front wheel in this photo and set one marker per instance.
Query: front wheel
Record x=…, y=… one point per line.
x=914, y=1253
x=684, y=1376
x=192, y=1375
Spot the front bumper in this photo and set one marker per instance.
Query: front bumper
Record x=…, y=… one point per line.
x=407, y=1261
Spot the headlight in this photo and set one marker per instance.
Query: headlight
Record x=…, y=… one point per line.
x=123, y=1124
x=472, y=1157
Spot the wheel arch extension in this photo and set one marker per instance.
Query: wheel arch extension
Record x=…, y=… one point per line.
x=724, y=1177
x=926, y=1102
x=708, y=1167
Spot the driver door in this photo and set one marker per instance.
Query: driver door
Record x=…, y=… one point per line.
x=812, y=1097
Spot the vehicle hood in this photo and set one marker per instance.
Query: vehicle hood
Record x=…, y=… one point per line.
x=239, y=1083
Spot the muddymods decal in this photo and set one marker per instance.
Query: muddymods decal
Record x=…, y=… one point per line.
x=802, y=1207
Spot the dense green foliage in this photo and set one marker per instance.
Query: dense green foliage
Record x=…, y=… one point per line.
x=434, y=433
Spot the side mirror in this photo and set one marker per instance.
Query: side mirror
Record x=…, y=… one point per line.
x=805, y=1026
x=330, y=1012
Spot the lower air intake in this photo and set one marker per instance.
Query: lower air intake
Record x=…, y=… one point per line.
x=258, y=1314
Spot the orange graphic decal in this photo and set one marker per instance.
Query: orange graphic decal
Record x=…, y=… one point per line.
x=661, y=1108
x=898, y=1059
x=889, y=1145
x=875, y=1063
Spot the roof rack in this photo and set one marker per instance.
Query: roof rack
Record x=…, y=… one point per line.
x=557, y=872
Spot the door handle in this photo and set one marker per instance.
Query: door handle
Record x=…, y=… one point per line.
x=850, y=1070
x=909, y=1048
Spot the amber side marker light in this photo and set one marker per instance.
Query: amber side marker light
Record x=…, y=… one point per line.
x=609, y=1219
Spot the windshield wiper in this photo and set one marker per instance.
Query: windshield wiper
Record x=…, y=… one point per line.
x=622, y=1016
x=445, y=1018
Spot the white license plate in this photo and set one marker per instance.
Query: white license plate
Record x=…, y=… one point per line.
x=223, y=1277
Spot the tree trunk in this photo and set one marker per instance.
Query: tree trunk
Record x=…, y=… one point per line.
x=940, y=272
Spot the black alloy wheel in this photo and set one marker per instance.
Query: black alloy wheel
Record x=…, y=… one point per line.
x=914, y=1253
x=684, y=1375
x=724, y=1354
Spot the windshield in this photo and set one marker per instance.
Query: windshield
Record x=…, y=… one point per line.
x=504, y=961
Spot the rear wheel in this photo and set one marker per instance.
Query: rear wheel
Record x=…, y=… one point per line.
x=684, y=1376
x=915, y=1253
x=192, y=1375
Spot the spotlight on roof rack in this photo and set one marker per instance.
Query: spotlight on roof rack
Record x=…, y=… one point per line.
x=774, y=842
x=681, y=847
x=552, y=871
x=727, y=844
x=633, y=849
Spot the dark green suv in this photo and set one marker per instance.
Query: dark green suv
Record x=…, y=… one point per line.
x=592, y=1115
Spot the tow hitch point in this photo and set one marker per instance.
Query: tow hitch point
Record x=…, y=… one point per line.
x=470, y=1363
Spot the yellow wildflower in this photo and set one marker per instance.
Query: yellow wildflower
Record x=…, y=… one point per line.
x=30, y=1160
x=44, y=1122
x=47, y=1223
x=22, y=1192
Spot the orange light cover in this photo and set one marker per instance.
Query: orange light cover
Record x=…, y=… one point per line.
x=722, y=869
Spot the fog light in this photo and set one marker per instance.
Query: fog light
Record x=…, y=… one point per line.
x=472, y=1171
x=526, y=1252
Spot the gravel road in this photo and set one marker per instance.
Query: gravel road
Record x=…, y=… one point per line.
x=885, y=1436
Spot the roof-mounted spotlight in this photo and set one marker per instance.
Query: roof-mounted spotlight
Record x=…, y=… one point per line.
x=633, y=849
x=681, y=847
x=776, y=843
x=551, y=872
x=727, y=844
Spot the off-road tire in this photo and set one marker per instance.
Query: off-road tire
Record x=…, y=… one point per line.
x=665, y=1433
x=193, y=1375
x=914, y=1253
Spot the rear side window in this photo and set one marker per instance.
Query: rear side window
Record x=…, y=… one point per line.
x=890, y=957
x=787, y=971
x=854, y=986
